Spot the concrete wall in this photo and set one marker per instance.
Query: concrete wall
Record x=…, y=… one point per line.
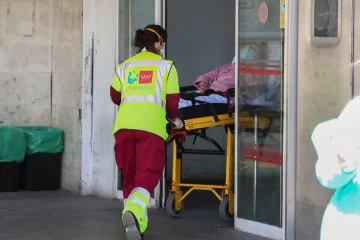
x=357, y=52
x=25, y=62
x=99, y=60
x=323, y=84
x=40, y=71
x=66, y=84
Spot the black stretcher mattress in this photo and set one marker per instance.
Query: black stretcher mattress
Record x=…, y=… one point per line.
x=210, y=109
x=202, y=110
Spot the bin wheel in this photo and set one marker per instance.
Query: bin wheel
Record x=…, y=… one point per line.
x=225, y=216
x=170, y=206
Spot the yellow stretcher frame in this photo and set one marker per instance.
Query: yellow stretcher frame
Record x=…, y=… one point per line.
x=174, y=205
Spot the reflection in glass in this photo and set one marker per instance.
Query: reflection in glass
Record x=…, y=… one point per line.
x=142, y=13
x=260, y=107
x=326, y=18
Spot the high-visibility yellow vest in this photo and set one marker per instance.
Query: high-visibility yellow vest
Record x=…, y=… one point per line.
x=144, y=81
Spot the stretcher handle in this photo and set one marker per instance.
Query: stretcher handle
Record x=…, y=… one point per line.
x=171, y=125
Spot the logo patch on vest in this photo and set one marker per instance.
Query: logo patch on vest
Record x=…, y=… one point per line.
x=146, y=77
x=142, y=77
x=132, y=77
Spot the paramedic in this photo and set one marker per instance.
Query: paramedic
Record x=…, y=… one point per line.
x=146, y=88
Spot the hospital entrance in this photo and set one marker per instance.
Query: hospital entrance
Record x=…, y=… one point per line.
x=227, y=167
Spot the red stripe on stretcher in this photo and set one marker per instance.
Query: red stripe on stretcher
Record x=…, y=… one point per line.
x=243, y=70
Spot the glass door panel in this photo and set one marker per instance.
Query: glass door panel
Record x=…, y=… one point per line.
x=260, y=114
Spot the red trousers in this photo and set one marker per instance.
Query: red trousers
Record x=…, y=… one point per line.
x=141, y=158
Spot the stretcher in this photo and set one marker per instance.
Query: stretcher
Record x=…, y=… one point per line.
x=197, y=119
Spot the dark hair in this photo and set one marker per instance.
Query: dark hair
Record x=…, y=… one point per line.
x=147, y=38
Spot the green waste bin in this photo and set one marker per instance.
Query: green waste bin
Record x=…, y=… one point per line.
x=42, y=166
x=43, y=139
x=12, y=153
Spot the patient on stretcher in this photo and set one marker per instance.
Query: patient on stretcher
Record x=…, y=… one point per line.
x=223, y=78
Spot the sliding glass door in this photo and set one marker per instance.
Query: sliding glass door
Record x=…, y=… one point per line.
x=260, y=113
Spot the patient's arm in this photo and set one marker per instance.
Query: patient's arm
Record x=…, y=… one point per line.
x=203, y=81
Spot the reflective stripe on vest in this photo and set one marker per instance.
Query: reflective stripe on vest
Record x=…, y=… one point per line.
x=145, y=98
x=162, y=65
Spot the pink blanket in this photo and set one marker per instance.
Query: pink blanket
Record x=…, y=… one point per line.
x=220, y=79
x=223, y=78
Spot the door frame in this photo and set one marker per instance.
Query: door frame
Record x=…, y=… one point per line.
x=287, y=231
x=159, y=19
x=291, y=53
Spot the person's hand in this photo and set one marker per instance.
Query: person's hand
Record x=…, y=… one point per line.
x=203, y=86
x=177, y=122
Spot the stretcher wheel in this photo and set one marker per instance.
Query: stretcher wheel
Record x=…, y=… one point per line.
x=225, y=216
x=170, y=206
